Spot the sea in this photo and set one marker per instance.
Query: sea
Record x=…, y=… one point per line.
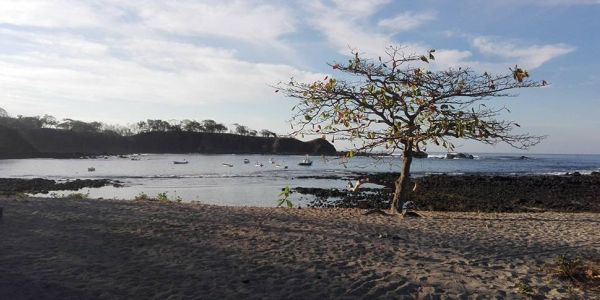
x=257, y=180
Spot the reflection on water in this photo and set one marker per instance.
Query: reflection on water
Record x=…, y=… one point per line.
x=228, y=180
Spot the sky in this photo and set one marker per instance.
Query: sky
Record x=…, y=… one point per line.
x=123, y=61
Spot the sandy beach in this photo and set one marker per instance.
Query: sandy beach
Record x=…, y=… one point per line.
x=106, y=249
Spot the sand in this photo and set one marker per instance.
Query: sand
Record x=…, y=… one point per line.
x=107, y=249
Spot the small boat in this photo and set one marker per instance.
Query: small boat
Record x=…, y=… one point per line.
x=258, y=164
x=305, y=162
x=228, y=165
x=246, y=161
x=180, y=162
x=271, y=161
x=91, y=169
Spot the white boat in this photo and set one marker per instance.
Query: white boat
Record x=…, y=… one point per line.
x=305, y=162
x=228, y=165
x=246, y=161
x=258, y=164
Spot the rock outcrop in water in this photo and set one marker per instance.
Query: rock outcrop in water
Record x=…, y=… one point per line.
x=46, y=142
x=9, y=186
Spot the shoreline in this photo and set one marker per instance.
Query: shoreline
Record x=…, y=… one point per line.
x=462, y=193
x=63, y=248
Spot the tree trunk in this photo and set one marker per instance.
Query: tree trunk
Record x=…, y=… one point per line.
x=403, y=182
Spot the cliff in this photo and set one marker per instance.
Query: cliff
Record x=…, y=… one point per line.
x=46, y=142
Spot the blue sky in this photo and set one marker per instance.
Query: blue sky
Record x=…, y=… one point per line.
x=124, y=61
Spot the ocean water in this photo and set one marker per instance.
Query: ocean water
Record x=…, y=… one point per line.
x=206, y=179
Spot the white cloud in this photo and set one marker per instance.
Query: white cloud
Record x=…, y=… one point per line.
x=407, y=20
x=529, y=56
x=52, y=14
x=344, y=31
x=151, y=71
x=359, y=8
x=252, y=21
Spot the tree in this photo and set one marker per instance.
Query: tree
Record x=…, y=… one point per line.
x=191, y=126
x=3, y=113
x=48, y=121
x=79, y=126
x=240, y=129
x=397, y=104
x=213, y=127
x=267, y=133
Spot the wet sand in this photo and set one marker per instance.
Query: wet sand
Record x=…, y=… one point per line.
x=106, y=249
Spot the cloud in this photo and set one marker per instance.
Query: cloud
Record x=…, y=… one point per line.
x=253, y=21
x=529, y=56
x=359, y=8
x=54, y=14
x=407, y=21
x=146, y=70
x=345, y=29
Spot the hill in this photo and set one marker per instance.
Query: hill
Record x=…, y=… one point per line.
x=45, y=142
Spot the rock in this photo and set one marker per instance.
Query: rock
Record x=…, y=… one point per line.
x=419, y=154
x=457, y=155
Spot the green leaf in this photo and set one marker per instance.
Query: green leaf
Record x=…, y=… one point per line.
x=350, y=154
x=289, y=203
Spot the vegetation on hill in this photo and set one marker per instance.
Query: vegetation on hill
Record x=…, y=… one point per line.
x=45, y=136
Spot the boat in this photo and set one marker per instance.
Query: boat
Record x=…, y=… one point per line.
x=271, y=161
x=258, y=164
x=91, y=169
x=246, y=161
x=305, y=162
x=228, y=165
x=180, y=162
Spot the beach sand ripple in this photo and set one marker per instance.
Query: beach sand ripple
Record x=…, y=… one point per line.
x=104, y=249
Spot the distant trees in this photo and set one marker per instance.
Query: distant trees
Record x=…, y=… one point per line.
x=23, y=122
x=79, y=126
x=267, y=133
x=213, y=127
x=149, y=125
x=191, y=126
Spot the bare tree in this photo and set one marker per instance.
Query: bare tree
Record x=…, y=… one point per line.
x=395, y=104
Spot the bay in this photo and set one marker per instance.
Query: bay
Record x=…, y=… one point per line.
x=227, y=180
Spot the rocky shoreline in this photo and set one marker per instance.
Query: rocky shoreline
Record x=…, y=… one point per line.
x=11, y=186
x=465, y=193
x=474, y=193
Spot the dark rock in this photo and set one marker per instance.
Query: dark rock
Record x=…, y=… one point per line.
x=459, y=155
x=39, y=185
x=476, y=193
x=419, y=154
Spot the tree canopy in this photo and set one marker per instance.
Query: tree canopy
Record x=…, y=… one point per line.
x=397, y=103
